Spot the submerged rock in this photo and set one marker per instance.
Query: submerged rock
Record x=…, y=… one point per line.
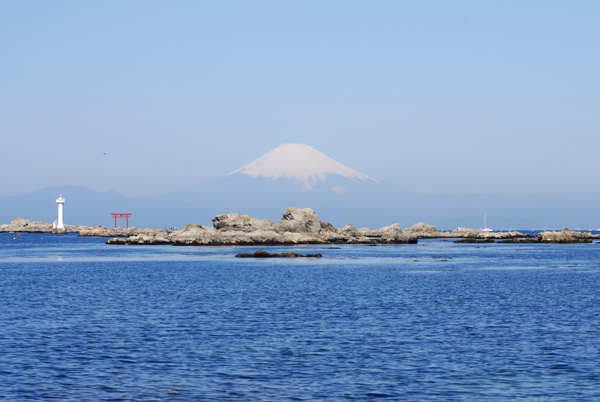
x=287, y=254
x=475, y=240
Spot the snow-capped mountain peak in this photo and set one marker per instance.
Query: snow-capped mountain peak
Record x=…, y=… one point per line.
x=299, y=162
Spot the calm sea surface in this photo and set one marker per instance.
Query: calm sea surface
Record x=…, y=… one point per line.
x=81, y=320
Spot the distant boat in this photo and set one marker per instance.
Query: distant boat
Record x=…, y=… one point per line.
x=485, y=228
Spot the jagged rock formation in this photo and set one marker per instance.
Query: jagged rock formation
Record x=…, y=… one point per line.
x=394, y=234
x=423, y=230
x=297, y=226
x=349, y=228
x=240, y=223
x=299, y=221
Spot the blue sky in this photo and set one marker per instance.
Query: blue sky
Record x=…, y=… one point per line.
x=441, y=96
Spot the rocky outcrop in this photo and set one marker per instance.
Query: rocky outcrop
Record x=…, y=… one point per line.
x=297, y=226
x=565, y=236
x=297, y=220
x=21, y=222
x=240, y=223
x=198, y=235
x=393, y=234
x=480, y=234
x=24, y=225
x=102, y=231
x=423, y=230
x=466, y=232
x=349, y=228
x=99, y=231
x=326, y=226
x=368, y=232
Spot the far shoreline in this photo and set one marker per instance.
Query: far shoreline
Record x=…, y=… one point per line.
x=297, y=226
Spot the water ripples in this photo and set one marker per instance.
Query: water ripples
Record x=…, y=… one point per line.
x=363, y=323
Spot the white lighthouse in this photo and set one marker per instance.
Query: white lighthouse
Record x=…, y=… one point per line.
x=60, y=227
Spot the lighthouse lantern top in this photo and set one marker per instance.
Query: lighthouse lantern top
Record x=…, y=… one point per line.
x=60, y=199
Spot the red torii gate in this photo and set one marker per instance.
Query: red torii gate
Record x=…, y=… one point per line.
x=126, y=216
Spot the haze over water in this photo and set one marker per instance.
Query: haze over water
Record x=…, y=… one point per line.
x=432, y=321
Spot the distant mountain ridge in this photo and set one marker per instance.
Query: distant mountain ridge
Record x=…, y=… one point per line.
x=298, y=175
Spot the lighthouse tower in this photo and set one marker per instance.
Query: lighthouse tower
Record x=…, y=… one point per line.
x=61, y=203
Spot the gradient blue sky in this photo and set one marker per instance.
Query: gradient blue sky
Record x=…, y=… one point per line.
x=440, y=96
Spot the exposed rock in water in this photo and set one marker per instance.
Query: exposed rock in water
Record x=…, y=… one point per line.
x=102, y=231
x=467, y=233
x=565, y=236
x=393, y=234
x=24, y=225
x=287, y=254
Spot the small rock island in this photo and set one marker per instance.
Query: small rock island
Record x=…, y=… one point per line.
x=297, y=226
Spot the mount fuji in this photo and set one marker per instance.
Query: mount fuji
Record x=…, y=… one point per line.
x=301, y=163
x=292, y=175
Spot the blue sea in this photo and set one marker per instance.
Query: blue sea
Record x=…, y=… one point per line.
x=436, y=321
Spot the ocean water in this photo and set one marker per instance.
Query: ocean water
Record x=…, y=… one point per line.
x=436, y=321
